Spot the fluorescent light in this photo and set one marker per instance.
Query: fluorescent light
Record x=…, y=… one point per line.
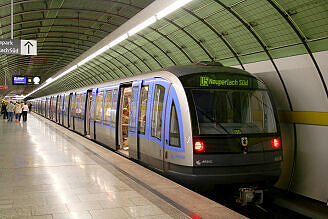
x=171, y=8
x=19, y=98
x=65, y=72
x=118, y=40
x=49, y=80
x=93, y=55
x=143, y=25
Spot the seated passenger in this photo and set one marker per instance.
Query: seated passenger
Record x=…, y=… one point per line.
x=125, y=121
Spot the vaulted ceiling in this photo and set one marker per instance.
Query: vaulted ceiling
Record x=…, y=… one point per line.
x=64, y=30
x=234, y=32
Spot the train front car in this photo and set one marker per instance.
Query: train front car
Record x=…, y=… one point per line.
x=236, y=135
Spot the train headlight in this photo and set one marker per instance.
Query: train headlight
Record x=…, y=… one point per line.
x=275, y=143
x=199, y=146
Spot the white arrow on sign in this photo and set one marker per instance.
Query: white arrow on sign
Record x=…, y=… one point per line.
x=29, y=47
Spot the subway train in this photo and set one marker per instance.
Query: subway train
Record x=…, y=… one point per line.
x=200, y=124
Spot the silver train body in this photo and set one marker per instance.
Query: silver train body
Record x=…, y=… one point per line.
x=199, y=124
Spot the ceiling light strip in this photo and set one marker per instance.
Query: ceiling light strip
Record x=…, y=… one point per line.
x=149, y=21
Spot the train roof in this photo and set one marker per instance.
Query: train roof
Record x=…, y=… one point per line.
x=175, y=71
x=204, y=67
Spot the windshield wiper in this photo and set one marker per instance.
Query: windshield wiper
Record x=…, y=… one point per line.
x=212, y=120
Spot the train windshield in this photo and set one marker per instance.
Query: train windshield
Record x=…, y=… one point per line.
x=234, y=111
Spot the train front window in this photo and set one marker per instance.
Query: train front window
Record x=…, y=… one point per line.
x=234, y=111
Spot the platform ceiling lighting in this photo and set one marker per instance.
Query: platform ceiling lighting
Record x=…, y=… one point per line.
x=142, y=26
x=49, y=80
x=118, y=40
x=149, y=21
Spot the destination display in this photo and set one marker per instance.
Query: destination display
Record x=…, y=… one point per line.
x=219, y=80
x=26, y=80
x=208, y=81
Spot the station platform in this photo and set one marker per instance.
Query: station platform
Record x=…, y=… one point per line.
x=47, y=171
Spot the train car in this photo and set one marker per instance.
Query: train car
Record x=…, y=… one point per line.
x=198, y=124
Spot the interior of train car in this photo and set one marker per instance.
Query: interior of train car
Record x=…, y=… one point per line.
x=123, y=122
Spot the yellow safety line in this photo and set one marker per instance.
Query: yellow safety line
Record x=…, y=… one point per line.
x=310, y=118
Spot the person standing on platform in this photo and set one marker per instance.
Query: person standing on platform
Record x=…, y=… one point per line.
x=18, y=111
x=29, y=106
x=4, y=110
x=25, y=109
x=10, y=111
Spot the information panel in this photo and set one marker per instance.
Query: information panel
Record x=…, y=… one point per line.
x=18, y=47
x=26, y=80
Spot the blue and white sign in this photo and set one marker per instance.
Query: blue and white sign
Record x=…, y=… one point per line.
x=18, y=80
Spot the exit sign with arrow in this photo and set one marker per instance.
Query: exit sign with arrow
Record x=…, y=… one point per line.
x=18, y=47
x=28, y=47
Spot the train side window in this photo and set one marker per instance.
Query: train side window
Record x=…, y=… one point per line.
x=156, y=122
x=53, y=105
x=92, y=106
x=72, y=97
x=114, y=106
x=79, y=109
x=82, y=104
x=107, y=107
x=76, y=105
x=66, y=104
x=48, y=106
x=59, y=104
x=143, y=109
x=133, y=108
x=99, y=103
x=174, y=134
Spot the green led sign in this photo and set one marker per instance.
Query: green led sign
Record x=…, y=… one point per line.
x=219, y=80
x=207, y=81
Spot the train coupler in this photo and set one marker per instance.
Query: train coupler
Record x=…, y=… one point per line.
x=250, y=195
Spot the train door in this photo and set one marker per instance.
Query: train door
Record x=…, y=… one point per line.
x=88, y=113
x=59, y=108
x=65, y=110
x=92, y=114
x=133, y=121
x=157, y=122
x=70, y=111
x=143, y=143
x=56, y=108
x=174, y=137
x=75, y=111
x=48, y=107
x=123, y=121
x=52, y=106
x=45, y=108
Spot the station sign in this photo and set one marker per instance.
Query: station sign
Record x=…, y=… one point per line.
x=18, y=47
x=26, y=80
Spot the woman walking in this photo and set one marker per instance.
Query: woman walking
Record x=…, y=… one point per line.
x=18, y=111
x=10, y=110
x=25, y=109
